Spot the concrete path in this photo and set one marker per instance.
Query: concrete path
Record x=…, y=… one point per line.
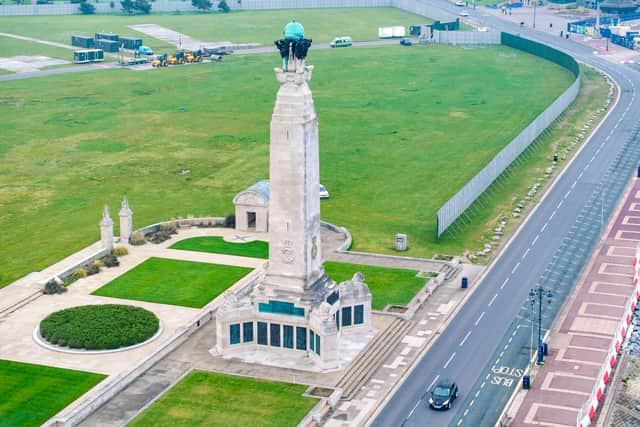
x=17, y=327
x=583, y=333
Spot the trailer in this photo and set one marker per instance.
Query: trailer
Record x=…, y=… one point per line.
x=107, y=36
x=107, y=45
x=131, y=43
x=87, y=56
x=82, y=41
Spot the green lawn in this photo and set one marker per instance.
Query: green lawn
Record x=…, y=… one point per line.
x=211, y=399
x=397, y=126
x=216, y=245
x=14, y=47
x=263, y=27
x=31, y=394
x=387, y=285
x=176, y=282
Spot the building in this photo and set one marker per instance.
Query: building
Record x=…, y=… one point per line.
x=252, y=208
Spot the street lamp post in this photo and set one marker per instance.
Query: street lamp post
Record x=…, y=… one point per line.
x=540, y=293
x=535, y=3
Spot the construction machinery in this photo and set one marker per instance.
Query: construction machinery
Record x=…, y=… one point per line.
x=160, y=61
x=192, y=56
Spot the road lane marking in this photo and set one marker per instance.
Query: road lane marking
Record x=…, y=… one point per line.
x=559, y=204
x=552, y=215
x=567, y=193
x=574, y=184
x=433, y=382
x=526, y=253
x=535, y=240
x=580, y=176
x=472, y=402
x=482, y=385
x=493, y=299
x=449, y=361
x=515, y=268
x=479, y=318
x=465, y=338
x=459, y=422
x=477, y=393
x=413, y=410
x=504, y=283
x=544, y=226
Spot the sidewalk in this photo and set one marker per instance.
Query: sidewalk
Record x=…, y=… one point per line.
x=582, y=335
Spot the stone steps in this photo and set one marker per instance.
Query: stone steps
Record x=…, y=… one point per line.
x=372, y=358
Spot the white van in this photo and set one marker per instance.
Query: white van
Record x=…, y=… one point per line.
x=341, y=42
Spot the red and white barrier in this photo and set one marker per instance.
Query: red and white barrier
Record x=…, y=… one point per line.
x=588, y=410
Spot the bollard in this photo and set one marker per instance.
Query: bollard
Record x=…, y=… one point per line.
x=526, y=382
x=555, y=158
x=545, y=348
x=465, y=282
x=638, y=171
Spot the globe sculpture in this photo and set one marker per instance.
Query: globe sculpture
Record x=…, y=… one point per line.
x=293, y=46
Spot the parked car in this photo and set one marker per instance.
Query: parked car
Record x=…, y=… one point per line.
x=464, y=14
x=145, y=50
x=405, y=42
x=443, y=394
x=460, y=3
x=324, y=194
x=341, y=42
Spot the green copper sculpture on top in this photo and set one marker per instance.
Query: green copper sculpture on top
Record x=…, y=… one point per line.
x=293, y=45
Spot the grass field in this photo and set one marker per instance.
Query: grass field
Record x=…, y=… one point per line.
x=14, y=47
x=31, y=394
x=394, y=143
x=216, y=245
x=387, y=285
x=204, y=399
x=176, y=282
x=263, y=27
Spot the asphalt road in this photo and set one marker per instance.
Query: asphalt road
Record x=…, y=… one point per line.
x=467, y=347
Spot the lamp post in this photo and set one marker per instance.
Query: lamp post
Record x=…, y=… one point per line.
x=540, y=293
x=535, y=3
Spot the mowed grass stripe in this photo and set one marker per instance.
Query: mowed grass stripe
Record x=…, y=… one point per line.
x=217, y=245
x=387, y=285
x=211, y=399
x=175, y=282
x=31, y=394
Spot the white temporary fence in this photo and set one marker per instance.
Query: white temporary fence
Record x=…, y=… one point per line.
x=455, y=206
x=465, y=37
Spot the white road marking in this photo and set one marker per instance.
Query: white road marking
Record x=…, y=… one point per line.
x=574, y=184
x=413, y=410
x=567, y=193
x=515, y=268
x=544, y=226
x=479, y=318
x=477, y=393
x=580, y=176
x=459, y=422
x=559, y=204
x=552, y=215
x=482, y=385
x=433, y=382
x=526, y=253
x=493, y=299
x=465, y=338
x=472, y=402
x=465, y=413
x=535, y=239
x=449, y=361
x=504, y=283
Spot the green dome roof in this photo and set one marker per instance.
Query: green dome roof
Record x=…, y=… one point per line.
x=293, y=31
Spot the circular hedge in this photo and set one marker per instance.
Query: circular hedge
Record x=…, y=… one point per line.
x=99, y=327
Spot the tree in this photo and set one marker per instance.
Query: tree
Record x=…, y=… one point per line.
x=223, y=6
x=203, y=5
x=143, y=6
x=87, y=8
x=127, y=6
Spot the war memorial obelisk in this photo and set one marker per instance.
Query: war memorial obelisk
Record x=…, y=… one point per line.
x=295, y=312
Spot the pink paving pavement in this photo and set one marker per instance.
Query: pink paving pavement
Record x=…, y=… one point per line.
x=582, y=335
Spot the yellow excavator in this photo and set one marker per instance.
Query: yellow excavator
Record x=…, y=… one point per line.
x=160, y=61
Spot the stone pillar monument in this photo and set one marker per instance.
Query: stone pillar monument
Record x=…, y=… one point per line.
x=106, y=230
x=295, y=309
x=126, y=221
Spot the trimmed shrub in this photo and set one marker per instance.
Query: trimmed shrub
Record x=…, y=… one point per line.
x=169, y=227
x=110, y=261
x=92, y=269
x=120, y=251
x=53, y=287
x=99, y=327
x=137, y=239
x=99, y=263
x=158, y=237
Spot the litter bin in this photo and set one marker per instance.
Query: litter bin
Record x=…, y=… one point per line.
x=526, y=382
x=465, y=282
x=545, y=348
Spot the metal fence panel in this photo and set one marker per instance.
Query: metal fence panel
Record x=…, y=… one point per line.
x=455, y=206
x=466, y=37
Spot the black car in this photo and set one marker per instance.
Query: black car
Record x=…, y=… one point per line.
x=443, y=395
